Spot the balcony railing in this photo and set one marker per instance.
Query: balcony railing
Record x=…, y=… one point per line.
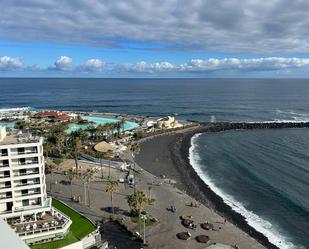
x=5, y=176
x=5, y=197
x=26, y=174
x=24, y=152
x=4, y=165
x=4, y=154
x=28, y=194
x=25, y=163
x=9, y=186
x=27, y=184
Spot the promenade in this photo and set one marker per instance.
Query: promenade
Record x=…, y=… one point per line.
x=163, y=233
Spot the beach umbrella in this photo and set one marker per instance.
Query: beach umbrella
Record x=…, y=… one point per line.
x=184, y=235
x=202, y=238
x=207, y=226
x=187, y=222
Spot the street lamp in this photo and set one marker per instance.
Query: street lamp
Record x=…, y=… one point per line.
x=144, y=217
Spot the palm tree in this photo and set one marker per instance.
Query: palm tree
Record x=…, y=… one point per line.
x=71, y=176
x=75, y=147
x=88, y=177
x=111, y=188
x=99, y=155
x=135, y=149
x=118, y=128
x=51, y=168
x=108, y=154
x=122, y=123
x=91, y=129
x=137, y=202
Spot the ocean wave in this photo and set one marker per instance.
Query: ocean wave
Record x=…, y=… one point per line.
x=255, y=221
x=15, y=109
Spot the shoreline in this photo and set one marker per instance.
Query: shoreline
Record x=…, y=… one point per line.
x=174, y=163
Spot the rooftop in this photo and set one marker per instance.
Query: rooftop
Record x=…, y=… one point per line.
x=19, y=138
x=61, y=116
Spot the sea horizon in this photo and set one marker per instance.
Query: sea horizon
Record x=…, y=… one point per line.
x=246, y=100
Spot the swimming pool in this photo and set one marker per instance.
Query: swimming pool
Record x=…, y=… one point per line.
x=101, y=120
x=8, y=124
x=97, y=120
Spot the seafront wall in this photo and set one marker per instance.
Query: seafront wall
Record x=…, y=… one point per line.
x=223, y=126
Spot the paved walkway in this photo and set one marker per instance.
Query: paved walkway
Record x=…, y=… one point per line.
x=163, y=234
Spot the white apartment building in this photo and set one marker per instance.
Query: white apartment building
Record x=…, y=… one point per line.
x=23, y=200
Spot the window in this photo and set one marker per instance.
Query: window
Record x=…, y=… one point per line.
x=20, y=150
x=25, y=203
x=3, y=152
x=24, y=192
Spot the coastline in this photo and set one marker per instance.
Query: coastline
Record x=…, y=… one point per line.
x=172, y=161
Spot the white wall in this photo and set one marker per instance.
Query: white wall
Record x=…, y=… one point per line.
x=76, y=245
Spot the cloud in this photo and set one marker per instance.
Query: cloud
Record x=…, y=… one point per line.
x=259, y=64
x=92, y=65
x=63, y=63
x=194, y=67
x=158, y=67
x=233, y=26
x=9, y=63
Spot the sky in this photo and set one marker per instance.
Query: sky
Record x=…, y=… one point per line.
x=154, y=38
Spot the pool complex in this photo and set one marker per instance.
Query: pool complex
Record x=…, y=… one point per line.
x=97, y=120
x=101, y=120
x=8, y=124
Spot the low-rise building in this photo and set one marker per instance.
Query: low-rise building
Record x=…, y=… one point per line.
x=55, y=116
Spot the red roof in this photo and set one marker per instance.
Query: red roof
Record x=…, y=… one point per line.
x=60, y=116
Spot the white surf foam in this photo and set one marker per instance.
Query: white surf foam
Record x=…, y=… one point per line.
x=255, y=221
x=17, y=109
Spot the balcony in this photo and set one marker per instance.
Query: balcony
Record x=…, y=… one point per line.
x=24, y=152
x=26, y=174
x=27, y=195
x=5, y=187
x=4, y=176
x=4, y=154
x=20, y=185
x=24, y=163
x=5, y=197
x=4, y=165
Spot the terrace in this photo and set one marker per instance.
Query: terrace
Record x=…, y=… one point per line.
x=41, y=223
x=79, y=228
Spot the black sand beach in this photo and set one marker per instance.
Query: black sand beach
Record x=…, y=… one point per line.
x=168, y=155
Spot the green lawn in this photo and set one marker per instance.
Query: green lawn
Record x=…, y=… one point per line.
x=150, y=220
x=79, y=229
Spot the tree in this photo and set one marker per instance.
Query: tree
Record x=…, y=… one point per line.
x=75, y=148
x=122, y=123
x=108, y=154
x=88, y=177
x=51, y=168
x=71, y=176
x=91, y=129
x=100, y=155
x=137, y=202
x=135, y=149
x=111, y=188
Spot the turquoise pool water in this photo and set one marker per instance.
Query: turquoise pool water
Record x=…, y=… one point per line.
x=8, y=124
x=101, y=120
x=97, y=120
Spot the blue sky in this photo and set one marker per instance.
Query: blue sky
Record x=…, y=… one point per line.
x=170, y=38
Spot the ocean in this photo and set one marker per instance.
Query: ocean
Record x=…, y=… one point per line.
x=263, y=174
